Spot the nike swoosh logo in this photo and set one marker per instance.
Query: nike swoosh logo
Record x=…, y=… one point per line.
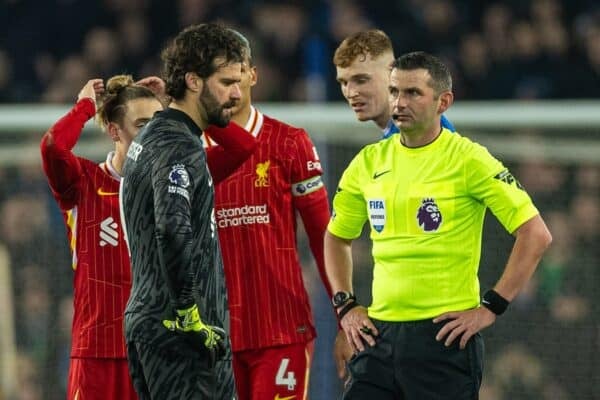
x=103, y=193
x=377, y=175
x=284, y=398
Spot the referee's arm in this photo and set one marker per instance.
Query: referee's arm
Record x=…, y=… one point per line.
x=532, y=240
x=338, y=264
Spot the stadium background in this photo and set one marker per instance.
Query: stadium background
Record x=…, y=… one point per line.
x=527, y=83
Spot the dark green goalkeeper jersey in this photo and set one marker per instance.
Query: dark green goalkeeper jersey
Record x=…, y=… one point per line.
x=168, y=214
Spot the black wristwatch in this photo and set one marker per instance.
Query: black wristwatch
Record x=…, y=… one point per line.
x=342, y=298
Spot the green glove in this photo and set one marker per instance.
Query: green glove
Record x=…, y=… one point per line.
x=207, y=339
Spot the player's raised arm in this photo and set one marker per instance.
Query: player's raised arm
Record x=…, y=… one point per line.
x=60, y=165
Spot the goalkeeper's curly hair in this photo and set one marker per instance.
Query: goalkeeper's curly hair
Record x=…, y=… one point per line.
x=201, y=49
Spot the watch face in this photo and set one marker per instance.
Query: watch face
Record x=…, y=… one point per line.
x=340, y=298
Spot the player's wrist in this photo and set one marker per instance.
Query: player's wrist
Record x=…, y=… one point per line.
x=341, y=298
x=345, y=309
x=494, y=302
x=189, y=318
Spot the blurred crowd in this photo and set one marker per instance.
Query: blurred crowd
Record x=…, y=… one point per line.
x=497, y=50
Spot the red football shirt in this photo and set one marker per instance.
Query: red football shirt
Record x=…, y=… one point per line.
x=87, y=194
x=255, y=210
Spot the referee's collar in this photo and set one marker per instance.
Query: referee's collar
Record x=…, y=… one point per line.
x=182, y=117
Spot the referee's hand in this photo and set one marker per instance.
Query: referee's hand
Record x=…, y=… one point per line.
x=342, y=353
x=358, y=328
x=463, y=324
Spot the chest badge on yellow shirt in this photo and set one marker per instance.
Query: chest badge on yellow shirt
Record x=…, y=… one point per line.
x=377, y=214
x=429, y=215
x=262, y=174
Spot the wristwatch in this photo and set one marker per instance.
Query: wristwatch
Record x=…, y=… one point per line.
x=342, y=298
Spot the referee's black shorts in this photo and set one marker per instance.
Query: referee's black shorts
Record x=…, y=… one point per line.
x=407, y=363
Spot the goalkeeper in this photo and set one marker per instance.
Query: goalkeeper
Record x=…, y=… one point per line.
x=176, y=316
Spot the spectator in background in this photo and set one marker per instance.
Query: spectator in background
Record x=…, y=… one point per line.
x=6, y=78
x=435, y=25
x=519, y=374
x=473, y=66
x=531, y=81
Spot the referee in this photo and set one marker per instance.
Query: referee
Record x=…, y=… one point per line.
x=177, y=311
x=424, y=193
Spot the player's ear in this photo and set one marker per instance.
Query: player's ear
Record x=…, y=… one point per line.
x=253, y=76
x=446, y=100
x=113, y=131
x=193, y=82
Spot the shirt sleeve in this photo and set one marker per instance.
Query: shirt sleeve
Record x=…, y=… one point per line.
x=61, y=166
x=175, y=175
x=310, y=198
x=490, y=182
x=349, y=209
x=236, y=145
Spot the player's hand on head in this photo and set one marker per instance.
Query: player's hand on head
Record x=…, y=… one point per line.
x=358, y=328
x=209, y=340
x=91, y=90
x=158, y=87
x=154, y=83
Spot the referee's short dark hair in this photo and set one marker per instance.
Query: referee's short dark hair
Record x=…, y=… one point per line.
x=195, y=49
x=441, y=79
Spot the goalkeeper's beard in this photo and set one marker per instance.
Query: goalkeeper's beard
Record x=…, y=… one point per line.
x=216, y=113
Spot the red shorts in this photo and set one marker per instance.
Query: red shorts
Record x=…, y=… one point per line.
x=99, y=379
x=276, y=373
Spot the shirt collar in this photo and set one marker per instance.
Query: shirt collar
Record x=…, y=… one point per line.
x=255, y=122
x=389, y=129
x=107, y=166
x=182, y=117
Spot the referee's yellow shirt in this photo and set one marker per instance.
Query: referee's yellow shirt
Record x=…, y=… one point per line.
x=426, y=208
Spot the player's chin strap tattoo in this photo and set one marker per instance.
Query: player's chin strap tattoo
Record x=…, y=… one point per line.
x=206, y=339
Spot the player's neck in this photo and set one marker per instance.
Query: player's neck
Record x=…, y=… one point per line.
x=191, y=109
x=382, y=120
x=420, y=138
x=242, y=116
x=117, y=160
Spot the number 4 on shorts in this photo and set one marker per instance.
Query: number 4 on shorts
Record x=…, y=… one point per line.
x=285, y=377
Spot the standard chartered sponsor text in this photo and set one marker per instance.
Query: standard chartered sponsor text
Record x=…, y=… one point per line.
x=245, y=215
